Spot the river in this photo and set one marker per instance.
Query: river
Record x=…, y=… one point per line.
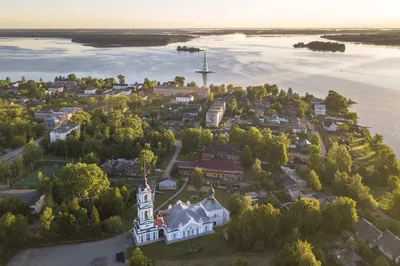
x=368, y=74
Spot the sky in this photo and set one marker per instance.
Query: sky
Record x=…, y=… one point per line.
x=200, y=14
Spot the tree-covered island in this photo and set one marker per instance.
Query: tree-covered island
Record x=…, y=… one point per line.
x=188, y=49
x=322, y=46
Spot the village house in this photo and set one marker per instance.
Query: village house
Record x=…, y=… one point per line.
x=297, y=126
x=367, y=232
x=53, y=91
x=319, y=109
x=330, y=126
x=184, y=99
x=227, y=170
x=167, y=184
x=31, y=196
x=221, y=152
x=179, y=222
x=120, y=86
x=90, y=91
x=389, y=245
x=56, y=121
x=120, y=167
x=292, y=182
x=275, y=119
x=63, y=132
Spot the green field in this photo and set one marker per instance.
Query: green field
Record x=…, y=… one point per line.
x=30, y=182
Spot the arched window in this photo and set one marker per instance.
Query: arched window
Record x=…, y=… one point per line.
x=146, y=215
x=146, y=198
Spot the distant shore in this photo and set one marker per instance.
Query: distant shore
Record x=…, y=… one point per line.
x=322, y=46
x=389, y=38
x=162, y=37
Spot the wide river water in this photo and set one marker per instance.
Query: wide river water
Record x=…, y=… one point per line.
x=368, y=74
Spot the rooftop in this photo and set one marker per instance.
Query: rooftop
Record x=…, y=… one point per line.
x=226, y=148
x=65, y=128
x=366, y=230
x=390, y=243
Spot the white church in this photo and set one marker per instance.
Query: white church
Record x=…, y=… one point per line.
x=179, y=222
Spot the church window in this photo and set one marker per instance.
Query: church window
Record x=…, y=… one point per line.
x=146, y=198
x=197, y=231
x=154, y=235
x=192, y=231
x=141, y=238
x=148, y=237
x=146, y=214
x=174, y=236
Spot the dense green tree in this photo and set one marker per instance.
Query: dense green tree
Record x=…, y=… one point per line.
x=297, y=253
x=278, y=154
x=31, y=153
x=315, y=161
x=113, y=224
x=238, y=204
x=91, y=158
x=81, y=118
x=241, y=262
x=192, y=84
x=66, y=224
x=121, y=79
x=80, y=180
x=315, y=139
x=5, y=171
x=211, y=97
x=221, y=139
x=247, y=157
x=110, y=203
x=147, y=159
x=381, y=261
x=47, y=218
x=305, y=215
x=231, y=107
x=138, y=258
x=13, y=205
x=300, y=112
x=13, y=229
x=180, y=80
x=336, y=102
x=198, y=178
x=313, y=181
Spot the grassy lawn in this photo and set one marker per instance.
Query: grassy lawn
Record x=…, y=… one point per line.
x=163, y=162
x=212, y=245
x=190, y=157
x=163, y=196
x=365, y=155
x=30, y=182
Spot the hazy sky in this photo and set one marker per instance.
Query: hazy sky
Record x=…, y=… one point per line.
x=198, y=13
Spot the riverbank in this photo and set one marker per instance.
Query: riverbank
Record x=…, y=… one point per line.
x=390, y=38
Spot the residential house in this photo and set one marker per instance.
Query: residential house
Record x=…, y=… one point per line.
x=31, y=196
x=253, y=195
x=215, y=113
x=221, y=152
x=184, y=99
x=228, y=170
x=167, y=184
x=90, y=91
x=275, y=119
x=305, y=143
x=62, y=132
x=120, y=86
x=367, y=232
x=389, y=245
x=121, y=167
x=297, y=126
x=53, y=91
x=330, y=126
x=319, y=109
x=292, y=182
x=56, y=121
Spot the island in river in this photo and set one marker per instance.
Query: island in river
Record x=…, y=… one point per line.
x=322, y=46
x=381, y=38
x=188, y=49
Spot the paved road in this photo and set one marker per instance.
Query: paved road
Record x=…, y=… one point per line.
x=10, y=156
x=167, y=170
x=83, y=254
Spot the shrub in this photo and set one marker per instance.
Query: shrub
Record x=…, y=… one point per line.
x=113, y=224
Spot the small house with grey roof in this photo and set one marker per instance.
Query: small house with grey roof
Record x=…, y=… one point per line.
x=367, y=232
x=389, y=245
